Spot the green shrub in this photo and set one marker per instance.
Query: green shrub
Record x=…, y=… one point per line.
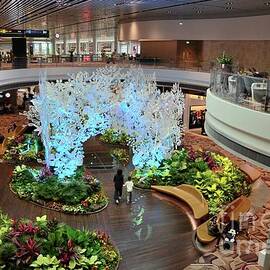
x=214, y=175
x=78, y=194
x=114, y=137
x=39, y=246
x=121, y=155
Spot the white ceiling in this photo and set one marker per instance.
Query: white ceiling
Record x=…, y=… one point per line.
x=50, y=14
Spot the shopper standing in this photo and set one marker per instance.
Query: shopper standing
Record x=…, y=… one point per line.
x=129, y=186
x=118, y=185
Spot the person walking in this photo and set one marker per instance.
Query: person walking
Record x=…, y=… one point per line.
x=129, y=186
x=118, y=185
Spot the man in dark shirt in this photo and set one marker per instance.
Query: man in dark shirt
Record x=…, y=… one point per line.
x=118, y=185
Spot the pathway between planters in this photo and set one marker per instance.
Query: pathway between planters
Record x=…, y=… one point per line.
x=151, y=234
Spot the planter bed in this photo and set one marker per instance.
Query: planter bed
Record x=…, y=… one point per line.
x=82, y=194
x=47, y=244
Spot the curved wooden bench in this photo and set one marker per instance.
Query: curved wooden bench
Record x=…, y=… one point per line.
x=17, y=132
x=3, y=146
x=188, y=194
x=234, y=209
x=20, y=130
x=252, y=173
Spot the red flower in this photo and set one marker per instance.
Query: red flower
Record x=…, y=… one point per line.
x=85, y=203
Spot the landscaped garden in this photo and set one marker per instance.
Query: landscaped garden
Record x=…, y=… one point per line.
x=214, y=175
x=120, y=155
x=111, y=136
x=47, y=244
x=79, y=194
x=25, y=148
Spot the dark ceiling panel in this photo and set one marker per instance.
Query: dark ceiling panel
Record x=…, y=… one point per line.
x=55, y=13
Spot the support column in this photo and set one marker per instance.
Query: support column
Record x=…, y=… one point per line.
x=94, y=33
x=19, y=59
x=116, y=38
x=65, y=43
x=53, y=42
x=78, y=41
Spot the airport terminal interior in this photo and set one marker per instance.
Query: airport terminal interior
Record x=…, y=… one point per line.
x=135, y=134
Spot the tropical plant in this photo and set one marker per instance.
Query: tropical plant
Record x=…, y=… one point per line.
x=26, y=148
x=46, y=263
x=214, y=175
x=225, y=59
x=121, y=155
x=27, y=246
x=79, y=194
x=112, y=136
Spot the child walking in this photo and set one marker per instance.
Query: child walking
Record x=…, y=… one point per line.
x=129, y=185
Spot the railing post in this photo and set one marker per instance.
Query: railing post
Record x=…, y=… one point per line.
x=238, y=90
x=267, y=96
x=266, y=265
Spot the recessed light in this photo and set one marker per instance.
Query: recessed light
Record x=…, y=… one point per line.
x=7, y=95
x=187, y=42
x=181, y=23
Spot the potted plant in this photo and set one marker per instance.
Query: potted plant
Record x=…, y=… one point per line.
x=225, y=61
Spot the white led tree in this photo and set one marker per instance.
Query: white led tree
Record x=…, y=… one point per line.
x=86, y=105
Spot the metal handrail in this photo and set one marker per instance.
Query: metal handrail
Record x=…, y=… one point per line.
x=88, y=60
x=209, y=266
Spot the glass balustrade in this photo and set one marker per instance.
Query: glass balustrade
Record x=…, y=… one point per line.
x=251, y=91
x=98, y=59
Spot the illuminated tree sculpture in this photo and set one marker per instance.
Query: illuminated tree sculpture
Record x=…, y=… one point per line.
x=86, y=105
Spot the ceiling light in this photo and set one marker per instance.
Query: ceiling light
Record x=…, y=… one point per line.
x=61, y=3
x=7, y=95
x=181, y=23
x=187, y=42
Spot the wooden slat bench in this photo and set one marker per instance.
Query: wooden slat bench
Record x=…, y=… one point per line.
x=188, y=194
x=237, y=207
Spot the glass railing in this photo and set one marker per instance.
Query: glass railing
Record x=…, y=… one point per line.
x=202, y=267
x=98, y=60
x=251, y=91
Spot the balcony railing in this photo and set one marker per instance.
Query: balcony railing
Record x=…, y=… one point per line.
x=251, y=91
x=202, y=267
x=98, y=60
